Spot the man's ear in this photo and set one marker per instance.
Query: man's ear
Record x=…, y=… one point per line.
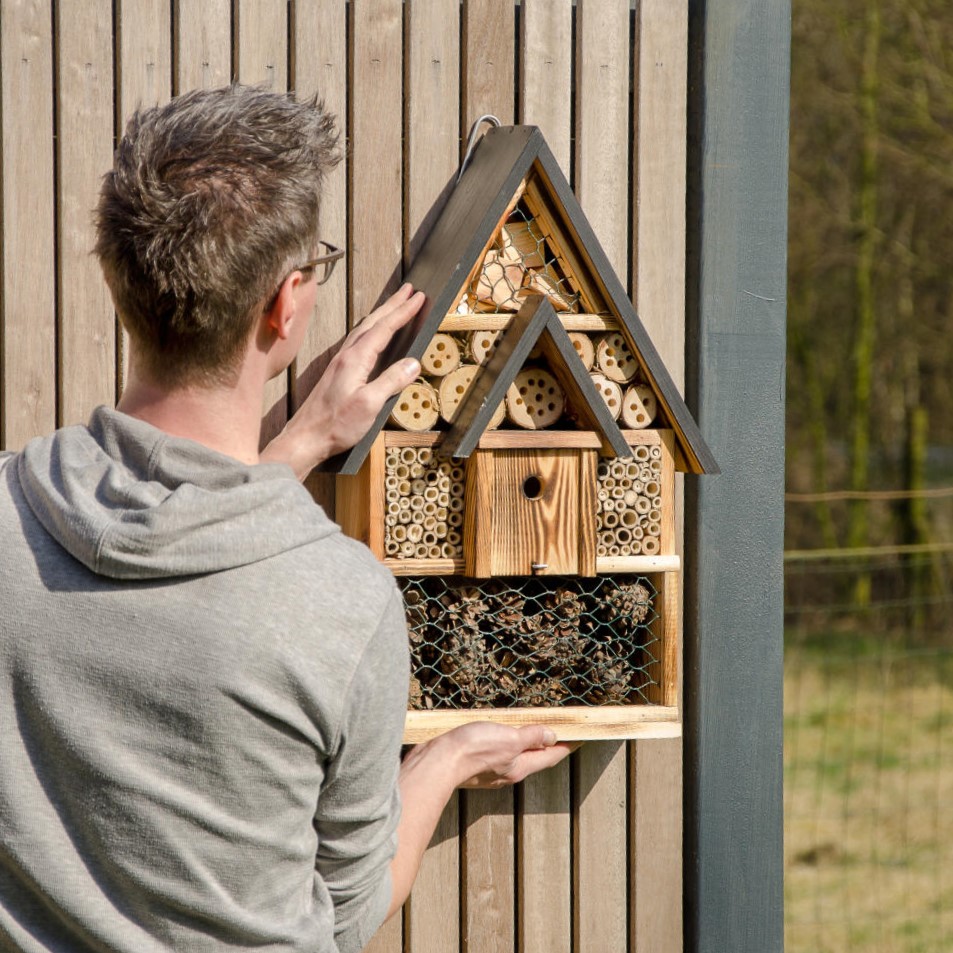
x=280, y=317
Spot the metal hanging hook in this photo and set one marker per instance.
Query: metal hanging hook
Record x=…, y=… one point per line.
x=472, y=140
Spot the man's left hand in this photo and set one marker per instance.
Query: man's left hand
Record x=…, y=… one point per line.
x=345, y=402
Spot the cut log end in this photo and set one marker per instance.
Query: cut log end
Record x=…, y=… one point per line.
x=417, y=407
x=535, y=399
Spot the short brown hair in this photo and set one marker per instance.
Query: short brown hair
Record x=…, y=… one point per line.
x=212, y=199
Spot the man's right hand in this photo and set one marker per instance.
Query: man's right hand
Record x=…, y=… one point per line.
x=494, y=756
x=479, y=755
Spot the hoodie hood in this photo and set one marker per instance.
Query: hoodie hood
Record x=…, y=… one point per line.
x=131, y=502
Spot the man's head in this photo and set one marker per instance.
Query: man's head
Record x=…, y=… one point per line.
x=212, y=200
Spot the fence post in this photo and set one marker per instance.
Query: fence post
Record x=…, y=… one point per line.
x=737, y=218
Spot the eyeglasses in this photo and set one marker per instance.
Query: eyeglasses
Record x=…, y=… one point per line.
x=332, y=256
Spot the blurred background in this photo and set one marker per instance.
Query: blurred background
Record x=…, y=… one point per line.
x=869, y=503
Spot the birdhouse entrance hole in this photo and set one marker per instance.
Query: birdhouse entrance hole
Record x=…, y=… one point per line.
x=532, y=488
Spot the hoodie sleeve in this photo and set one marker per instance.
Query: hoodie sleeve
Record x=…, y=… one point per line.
x=359, y=805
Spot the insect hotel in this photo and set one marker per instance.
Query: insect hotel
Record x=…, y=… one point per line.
x=522, y=490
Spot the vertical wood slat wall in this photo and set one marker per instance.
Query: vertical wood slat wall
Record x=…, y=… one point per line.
x=588, y=856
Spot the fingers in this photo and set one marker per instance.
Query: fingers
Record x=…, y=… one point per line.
x=536, y=736
x=394, y=313
x=502, y=755
x=520, y=767
x=540, y=759
x=391, y=381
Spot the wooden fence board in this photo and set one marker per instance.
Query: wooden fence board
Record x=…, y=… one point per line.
x=203, y=44
x=602, y=123
x=487, y=55
x=144, y=51
x=28, y=265
x=319, y=66
x=388, y=938
x=543, y=823
x=660, y=83
x=488, y=889
x=487, y=894
x=433, y=911
x=261, y=40
x=374, y=183
x=432, y=125
x=84, y=111
x=601, y=164
x=599, y=839
x=261, y=54
x=145, y=55
x=546, y=73
x=374, y=205
x=660, y=92
x=431, y=157
x=545, y=863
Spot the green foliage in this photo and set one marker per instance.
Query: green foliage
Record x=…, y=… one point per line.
x=870, y=300
x=913, y=358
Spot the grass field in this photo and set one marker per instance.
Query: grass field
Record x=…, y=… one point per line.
x=868, y=796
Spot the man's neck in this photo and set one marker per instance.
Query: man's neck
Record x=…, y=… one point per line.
x=225, y=419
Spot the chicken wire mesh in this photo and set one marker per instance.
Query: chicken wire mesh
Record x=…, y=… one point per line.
x=531, y=641
x=520, y=262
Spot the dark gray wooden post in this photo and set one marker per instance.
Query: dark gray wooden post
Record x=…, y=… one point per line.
x=737, y=225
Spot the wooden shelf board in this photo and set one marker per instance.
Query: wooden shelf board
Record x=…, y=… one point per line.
x=426, y=567
x=575, y=723
x=606, y=565
x=492, y=321
x=531, y=439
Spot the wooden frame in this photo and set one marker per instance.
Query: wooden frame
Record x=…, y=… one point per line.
x=659, y=719
x=360, y=500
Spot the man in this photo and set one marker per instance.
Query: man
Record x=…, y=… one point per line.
x=202, y=681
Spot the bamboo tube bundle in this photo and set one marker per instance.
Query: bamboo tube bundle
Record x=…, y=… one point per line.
x=628, y=512
x=482, y=344
x=442, y=355
x=535, y=400
x=454, y=387
x=639, y=407
x=610, y=392
x=416, y=408
x=650, y=545
x=419, y=491
x=614, y=358
x=584, y=348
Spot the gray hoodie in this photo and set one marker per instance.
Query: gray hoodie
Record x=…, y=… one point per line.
x=202, y=692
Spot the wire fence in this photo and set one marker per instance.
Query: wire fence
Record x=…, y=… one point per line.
x=869, y=751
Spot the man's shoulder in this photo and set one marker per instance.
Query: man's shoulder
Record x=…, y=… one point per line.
x=331, y=579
